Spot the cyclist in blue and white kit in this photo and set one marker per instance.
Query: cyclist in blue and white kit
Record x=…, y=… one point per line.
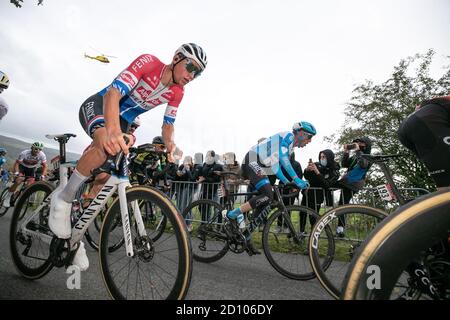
x=3, y=172
x=266, y=158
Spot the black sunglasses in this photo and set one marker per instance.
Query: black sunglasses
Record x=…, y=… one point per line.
x=191, y=68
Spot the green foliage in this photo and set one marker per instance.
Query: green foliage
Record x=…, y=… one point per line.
x=18, y=3
x=377, y=110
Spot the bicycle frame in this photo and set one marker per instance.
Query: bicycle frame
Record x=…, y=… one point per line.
x=118, y=181
x=390, y=180
x=256, y=222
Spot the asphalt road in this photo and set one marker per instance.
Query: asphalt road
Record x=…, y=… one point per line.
x=233, y=277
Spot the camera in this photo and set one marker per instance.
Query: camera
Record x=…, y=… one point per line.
x=350, y=146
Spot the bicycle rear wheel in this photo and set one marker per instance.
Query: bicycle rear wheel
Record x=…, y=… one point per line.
x=159, y=269
x=357, y=222
x=400, y=239
x=30, y=235
x=204, y=219
x=286, y=249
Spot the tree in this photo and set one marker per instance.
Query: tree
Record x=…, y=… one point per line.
x=377, y=110
x=18, y=3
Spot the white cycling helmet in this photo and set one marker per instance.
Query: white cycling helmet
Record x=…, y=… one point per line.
x=194, y=52
x=4, y=81
x=137, y=122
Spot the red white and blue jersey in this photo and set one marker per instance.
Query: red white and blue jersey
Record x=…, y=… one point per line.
x=141, y=89
x=27, y=159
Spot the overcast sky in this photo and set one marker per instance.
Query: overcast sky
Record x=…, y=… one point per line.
x=270, y=62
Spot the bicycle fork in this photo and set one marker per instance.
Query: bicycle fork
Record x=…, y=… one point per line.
x=122, y=186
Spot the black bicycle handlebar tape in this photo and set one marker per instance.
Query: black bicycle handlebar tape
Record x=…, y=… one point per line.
x=117, y=158
x=111, y=161
x=290, y=185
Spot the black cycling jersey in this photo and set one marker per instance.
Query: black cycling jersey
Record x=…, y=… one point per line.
x=426, y=132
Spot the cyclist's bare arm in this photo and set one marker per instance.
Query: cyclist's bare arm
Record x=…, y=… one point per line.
x=44, y=169
x=168, y=137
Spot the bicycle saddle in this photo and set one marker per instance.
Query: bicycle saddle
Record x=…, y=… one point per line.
x=60, y=137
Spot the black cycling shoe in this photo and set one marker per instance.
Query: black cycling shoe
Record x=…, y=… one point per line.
x=251, y=250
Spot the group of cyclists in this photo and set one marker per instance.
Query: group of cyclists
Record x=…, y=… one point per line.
x=112, y=113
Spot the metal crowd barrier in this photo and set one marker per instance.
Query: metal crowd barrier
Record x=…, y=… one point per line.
x=183, y=193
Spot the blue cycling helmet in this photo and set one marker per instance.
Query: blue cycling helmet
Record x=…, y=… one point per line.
x=305, y=126
x=3, y=151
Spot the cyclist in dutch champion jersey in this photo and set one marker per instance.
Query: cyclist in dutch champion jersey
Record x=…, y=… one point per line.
x=106, y=116
x=266, y=158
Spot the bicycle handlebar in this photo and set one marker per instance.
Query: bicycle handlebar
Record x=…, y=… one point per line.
x=290, y=186
x=381, y=157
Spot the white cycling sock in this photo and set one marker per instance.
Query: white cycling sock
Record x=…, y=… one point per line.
x=74, y=183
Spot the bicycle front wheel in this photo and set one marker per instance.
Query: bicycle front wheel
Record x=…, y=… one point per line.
x=159, y=269
x=285, y=241
x=330, y=261
x=30, y=235
x=405, y=236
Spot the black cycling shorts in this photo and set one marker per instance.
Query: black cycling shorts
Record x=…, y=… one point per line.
x=426, y=132
x=27, y=172
x=91, y=115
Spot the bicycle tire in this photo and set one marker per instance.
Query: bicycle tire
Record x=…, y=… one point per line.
x=3, y=210
x=332, y=280
x=182, y=258
x=199, y=247
x=391, y=246
x=296, y=254
x=31, y=273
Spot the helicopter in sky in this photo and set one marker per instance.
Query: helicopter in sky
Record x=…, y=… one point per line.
x=102, y=58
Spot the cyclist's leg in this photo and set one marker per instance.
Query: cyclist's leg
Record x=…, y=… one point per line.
x=252, y=170
x=23, y=172
x=97, y=185
x=91, y=118
x=92, y=121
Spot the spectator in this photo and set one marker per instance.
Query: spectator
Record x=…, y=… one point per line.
x=198, y=165
x=233, y=166
x=208, y=175
x=353, y=180
x=185, y=174
x=322, y=174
